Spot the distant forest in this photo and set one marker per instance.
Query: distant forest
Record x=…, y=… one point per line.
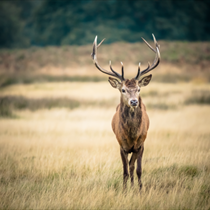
x=28, y=23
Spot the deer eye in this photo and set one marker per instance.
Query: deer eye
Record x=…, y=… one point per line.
x=123, y=90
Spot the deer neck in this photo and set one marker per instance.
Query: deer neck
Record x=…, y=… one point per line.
x=130, y=116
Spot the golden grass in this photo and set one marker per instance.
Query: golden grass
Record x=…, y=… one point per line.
x=69, y=159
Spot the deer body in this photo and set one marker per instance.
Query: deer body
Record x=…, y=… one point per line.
x=130, y=126
x=130, y=123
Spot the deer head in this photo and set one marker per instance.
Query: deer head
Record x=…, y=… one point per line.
x=129, y=89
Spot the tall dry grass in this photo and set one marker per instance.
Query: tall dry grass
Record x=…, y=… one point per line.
x=68, y=158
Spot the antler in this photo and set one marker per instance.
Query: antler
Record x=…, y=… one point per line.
x=94, y=56
x=156, y=61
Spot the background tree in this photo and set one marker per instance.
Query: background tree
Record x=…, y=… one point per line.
x=54, y=22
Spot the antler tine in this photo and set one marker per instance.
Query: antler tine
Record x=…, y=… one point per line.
x=149, y=45
x=100, y=43
x=118, y=75
x=94, y=56
x=156, y=61
x=138, y=73
x=122, y=71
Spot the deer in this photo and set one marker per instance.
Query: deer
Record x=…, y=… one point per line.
x=130, y=123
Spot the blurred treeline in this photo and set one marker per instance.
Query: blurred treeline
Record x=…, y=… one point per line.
x=76, y=22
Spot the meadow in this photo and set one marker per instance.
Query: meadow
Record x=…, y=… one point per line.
x=58, y=151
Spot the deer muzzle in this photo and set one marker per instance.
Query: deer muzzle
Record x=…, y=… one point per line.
x=133, y=102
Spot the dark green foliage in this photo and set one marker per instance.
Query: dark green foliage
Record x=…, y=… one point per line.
x=54, y=22
x=10, y=27
x=77, y=23
x=15, y=17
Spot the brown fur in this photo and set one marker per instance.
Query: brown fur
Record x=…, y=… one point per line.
x=130, y=125
x=130, y=83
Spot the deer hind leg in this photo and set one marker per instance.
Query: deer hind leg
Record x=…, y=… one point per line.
x=131, y=167
x=124, y=157
x=139, y=166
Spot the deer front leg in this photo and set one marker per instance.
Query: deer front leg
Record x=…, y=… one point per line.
x=124, y=157
x=139, y=166
x=131, y=166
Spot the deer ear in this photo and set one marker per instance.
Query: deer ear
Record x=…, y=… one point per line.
x=145, y=81
x=114, y=82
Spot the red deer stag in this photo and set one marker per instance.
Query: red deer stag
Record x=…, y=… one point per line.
x=130, y=122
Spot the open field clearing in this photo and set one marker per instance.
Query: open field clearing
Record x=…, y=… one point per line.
x=65, y=57
x=180, y=61
x=57, y=149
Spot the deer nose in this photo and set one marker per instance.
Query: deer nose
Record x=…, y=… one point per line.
x=133, y=102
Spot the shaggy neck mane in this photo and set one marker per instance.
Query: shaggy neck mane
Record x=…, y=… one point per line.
x=130, y=118
x=130, y=112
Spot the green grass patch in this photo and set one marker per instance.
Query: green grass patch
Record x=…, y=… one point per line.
x=189, y=171
x=185, y=170
x=10, y=103
x=30, y=78
x=21, y=78
x=205, y=191
x=5, y=111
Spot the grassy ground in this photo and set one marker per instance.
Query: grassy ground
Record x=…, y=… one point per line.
x=55, y=155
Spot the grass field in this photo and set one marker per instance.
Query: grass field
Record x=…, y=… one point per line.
x=58, y=151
